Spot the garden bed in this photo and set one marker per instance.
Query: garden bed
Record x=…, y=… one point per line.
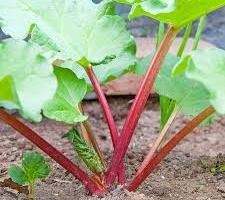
x=185, y=174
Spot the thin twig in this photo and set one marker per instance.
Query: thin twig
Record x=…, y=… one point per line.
x=12, y=185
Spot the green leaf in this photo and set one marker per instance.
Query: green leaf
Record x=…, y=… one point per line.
x=33, y=79
x=80, y=29
x=190, y=96
x=8, y=97
x=70, y=92
x=35, y=166
x=143, y=63
x=208, y=68
x=43, y=40
x=17, y=175
x=106, y=72
x=85, y=152
x=175, y=12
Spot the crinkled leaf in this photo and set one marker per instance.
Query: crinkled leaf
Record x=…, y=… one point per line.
x=85, y=152
x=50, y=49
x=80, y=29
x=33, y=77
x=70, y=92
x=17, y=175
x=8, y=97
x=35, y=166
x=208, y=68
x=43, y=40
x=175, y=12
x=114, y=69
x=106, y=72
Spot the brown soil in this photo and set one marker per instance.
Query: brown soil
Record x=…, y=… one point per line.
x=184, y=174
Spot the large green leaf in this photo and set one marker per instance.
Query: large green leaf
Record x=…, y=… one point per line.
x=208, y=68
x=189, y=95
x=174, y=12
x=143, y=63
x=80, y=29
x=70, y=92
x=106, y=72
x=43, y=40
x=32, y=77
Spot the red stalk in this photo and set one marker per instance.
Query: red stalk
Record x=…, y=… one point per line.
x=138, y=105
x=108, y=116
x=142, y=175
x=91, y=186
x=159, y=140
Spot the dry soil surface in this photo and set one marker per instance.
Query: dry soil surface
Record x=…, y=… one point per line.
x=184, y=174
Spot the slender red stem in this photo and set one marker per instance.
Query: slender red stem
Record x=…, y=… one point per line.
x=138, y=105
x=51, y=151
x=108, y=116
x=141, y=176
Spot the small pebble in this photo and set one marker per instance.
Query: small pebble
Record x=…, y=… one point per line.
x=12, y=137
x=11, y=158
x=28, y=147
x=21, y=144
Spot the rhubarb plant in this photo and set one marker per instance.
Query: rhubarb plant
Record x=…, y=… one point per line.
x=61, y=50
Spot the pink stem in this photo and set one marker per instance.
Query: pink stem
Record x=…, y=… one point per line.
x=108, y=116
x=91, y=186
x=152, y=164
x=159, y=140
x=138, y=105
